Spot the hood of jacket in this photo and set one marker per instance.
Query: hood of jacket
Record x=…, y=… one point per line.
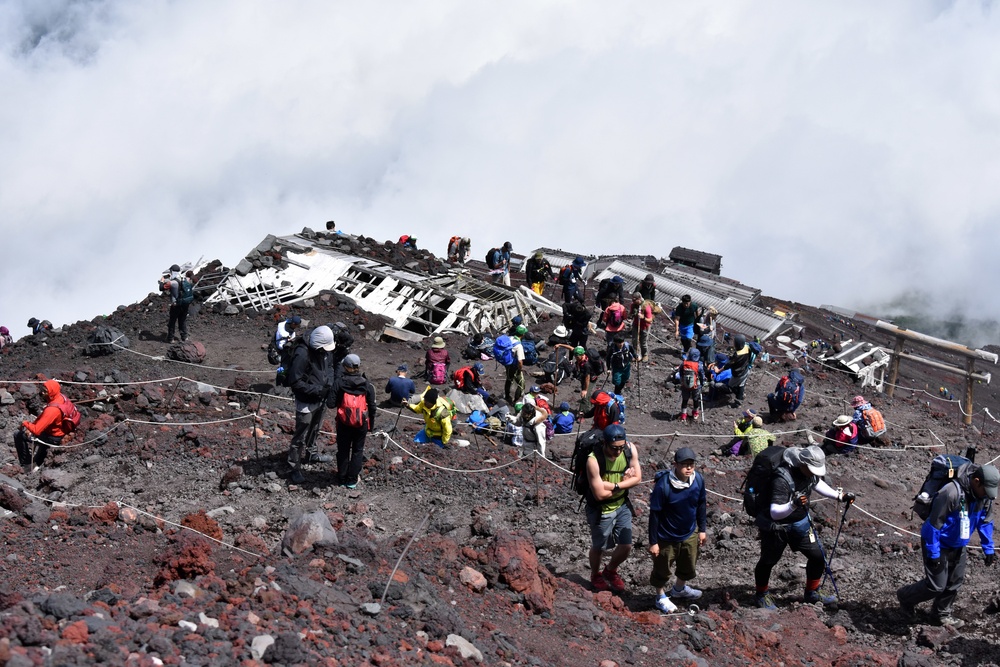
x=354, y=382
x=53, y=389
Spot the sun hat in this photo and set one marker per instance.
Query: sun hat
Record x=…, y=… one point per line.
x=758, y=422
x=814, y=458
x=521, y=330
x=579, y=351
x=858, y=401
x=560, y=332
x=438, y=343
x=842, y=420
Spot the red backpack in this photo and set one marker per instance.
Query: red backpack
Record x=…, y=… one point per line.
x=458, y=377
x=689, y=375
x=353, y=410
x=70, y=416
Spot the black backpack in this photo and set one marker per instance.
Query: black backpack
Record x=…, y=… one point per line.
x=493, y=258
x=286, y=379
x=759, y=481
x=944, y=469
x=590, y=442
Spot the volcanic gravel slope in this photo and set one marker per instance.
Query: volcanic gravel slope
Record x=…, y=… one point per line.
x=97, y=570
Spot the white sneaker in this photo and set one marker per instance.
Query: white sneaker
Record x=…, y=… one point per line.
x=686, y=593
x=665, y=605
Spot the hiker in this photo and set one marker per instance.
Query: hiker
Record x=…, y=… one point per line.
x=181, y=289
x=739, y=363
x=613, y=320
x=437, y=418
x=707, y=324
x=576, y=317
x=685, y=315
x=531, y=418
x=408, y=242
x=605, y=408
x=286, y=332
x=469, y=380
x=559, y=335
x=565, y=419
x=54, y=422
x=692, y=374
x=784, y=521
x=750, y=436
x=677, y=525
x=870, y=422
x=609, y=512
x=353, y=397
x=841, y=437
x=620, y=357
x=39, y=327
x=706, y=348
x=331, y=228
x=787, y=396
x=538, y=271
x=587, y=368
x=961, y=507
x=718, y=375
x=570, y=277
x=498, y=261
x=609, y=290
x=436, y=362
x=510, y=354
x=515, y=322
x=459, y=250
x=479, y=348
x=5, y=337
x=400, y=387
x=310, y=377
x=344, y=340
x=647, y=288
x=642, y=322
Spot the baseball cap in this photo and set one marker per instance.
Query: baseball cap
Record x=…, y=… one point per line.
x=614, y=433
x=402, y=368
x=813, y=457
x=322, y=337
x=295, y=319
x=564, y=407
x=351, y=361
x=479, y=367
x=990, y=477
x=685, y=454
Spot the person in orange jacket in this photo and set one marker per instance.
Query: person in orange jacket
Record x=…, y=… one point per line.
x=47, y=429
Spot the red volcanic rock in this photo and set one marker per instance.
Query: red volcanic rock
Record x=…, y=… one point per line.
x=203, y=523
x=514, y=556
x=107, y=514
x=76, y=633
x=189, y=557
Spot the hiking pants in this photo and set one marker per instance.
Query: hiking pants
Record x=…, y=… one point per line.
x=571, y=292
x=516, y=377
x=538, y=288
x=307, y=425
x=350, y=453
x=694, y=395
x=640, y=344
x=942, y=587
x=620, y=377
x=23, y=444
x=800, y=537
x=578, y=336
x=178, y=318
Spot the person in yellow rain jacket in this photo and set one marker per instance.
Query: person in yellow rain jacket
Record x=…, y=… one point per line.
x=437, y=414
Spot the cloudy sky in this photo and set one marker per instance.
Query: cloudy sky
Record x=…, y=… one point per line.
x=831, y=152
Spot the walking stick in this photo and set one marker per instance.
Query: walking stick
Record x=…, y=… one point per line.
x=826, y=565
x=833, y=549
x=701, y=406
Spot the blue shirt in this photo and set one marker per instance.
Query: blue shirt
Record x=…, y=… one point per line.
x=400, y=389
x=675, y=513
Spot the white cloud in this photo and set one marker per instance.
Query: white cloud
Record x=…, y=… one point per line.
x=830, y=152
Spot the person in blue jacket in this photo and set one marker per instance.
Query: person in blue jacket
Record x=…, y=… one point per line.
x=564, y=420
x=962, y=506
x=677, y=519
x=787, y=396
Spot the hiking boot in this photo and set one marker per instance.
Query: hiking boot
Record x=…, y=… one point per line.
x=764, y=601
x=599, y=583
x=616, y=582
x=645, y=359
x=297, y=477
x=695, y=415
x=684, y=417
x=312, y=457
x=908, y=610
x=815, y=596
x=664, y=604
x=950, y=622
x=686, y=593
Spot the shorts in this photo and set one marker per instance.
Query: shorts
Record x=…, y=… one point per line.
x=611, y=529
x=686, y=331
x=682, y=554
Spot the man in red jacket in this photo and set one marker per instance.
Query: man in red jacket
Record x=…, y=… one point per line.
x=46, y=430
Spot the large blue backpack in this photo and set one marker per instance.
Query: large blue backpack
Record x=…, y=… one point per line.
x=530, y=353
x=503, y=350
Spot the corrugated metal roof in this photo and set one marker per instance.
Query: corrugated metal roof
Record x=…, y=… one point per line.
x=734, y=315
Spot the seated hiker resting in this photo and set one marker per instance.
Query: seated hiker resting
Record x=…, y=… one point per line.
x=437, y=415
x=469, y=380
x=787, y=396
x=842, y=436
x=750, y=436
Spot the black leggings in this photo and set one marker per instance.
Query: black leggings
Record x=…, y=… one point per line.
x=797, y=536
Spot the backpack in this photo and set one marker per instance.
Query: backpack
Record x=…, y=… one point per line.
x=654, y=307
x=944, y=469
x=493, y=258
x=543, y=404
x=550, y=428
x=615, y=317
x=530, y=353
x=590, y=442
x=453, y=244
x=566, y=275
x=299, y=344
x=185, y=292
x=445, y=403
x=273, y=353
x=596, y=362
x=760, y=480
x=458, y=377
x=689, y=374
x=609, y=409
x=503, y=350
x=872, y=423
x=755, y=351
x=70, y=416
x=353, y=410
x=438, y=374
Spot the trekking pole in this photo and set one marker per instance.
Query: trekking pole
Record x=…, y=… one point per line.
x=822, y=551
x=833, y=549
x=701, y=406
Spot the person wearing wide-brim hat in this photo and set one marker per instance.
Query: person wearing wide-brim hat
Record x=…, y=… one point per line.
x=677, y=528
x=841, y=437
x=437, y=362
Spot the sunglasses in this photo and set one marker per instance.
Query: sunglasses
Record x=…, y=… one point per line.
x=615, y=449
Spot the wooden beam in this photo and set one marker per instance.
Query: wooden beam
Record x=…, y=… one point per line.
x=982, y=377
x=941, y=344
x=894, y=366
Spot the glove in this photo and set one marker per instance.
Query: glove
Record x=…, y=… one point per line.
x=801, y=500
x=847, y=497
x=934, y=565
x=989, y=558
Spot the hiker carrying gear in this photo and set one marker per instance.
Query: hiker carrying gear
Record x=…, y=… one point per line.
x=750, y=436
x=310, y=377
x=610, y=474
x=400, y=387
x=353, y=397
x=613, y=319
x=531, y=419
x=787, y=396
x=647, y=288
x=564, y=420
x=576, y=318
x=740, y=362
x=508, y=352
x=57, y=419
x=459, y=250
x=841, y=437
x=479, y=348
x=537, y=272
x=959, y=508
x=436, y=362
x=677, y=528
x=5, y=337
x=181, y=291
x=436, y=411
x=39, y=327
x=692, y=378
x=469, y=380
x=606, y=409
x=620, y=357
x=570, y=277
x=498, y=261
x=685, y=315
x=280, y=347
x=610, y=290
x=783, y=518
x=870, y=422
x=642, y=321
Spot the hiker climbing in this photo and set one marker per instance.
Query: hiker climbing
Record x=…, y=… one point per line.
x=39, y=327
x=677, y=529
x=609, y=290
x=740, y=363
x=960, y=505
x=459, y=250
x=437, y=361
x=537, y=272
x=353, y=397
x=181, y=290
x=571, y=279
x=508, y=353
x=685, y=315
x=692, y=379
x=647, y=287
x=642, y=322
x=777, y=491
x=498, y=262
x=613, y=319
x=57, y=419
x=787, y=396
x=310, y=377
x=620, y=357
x=576, y=318
x=870, y=423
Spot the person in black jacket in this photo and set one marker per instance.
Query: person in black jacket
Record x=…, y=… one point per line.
x=310, y=376
x=353, y=397
x=538, y=271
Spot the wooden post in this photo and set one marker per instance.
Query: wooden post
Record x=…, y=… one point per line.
x=970, y=367
x=894, y=366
